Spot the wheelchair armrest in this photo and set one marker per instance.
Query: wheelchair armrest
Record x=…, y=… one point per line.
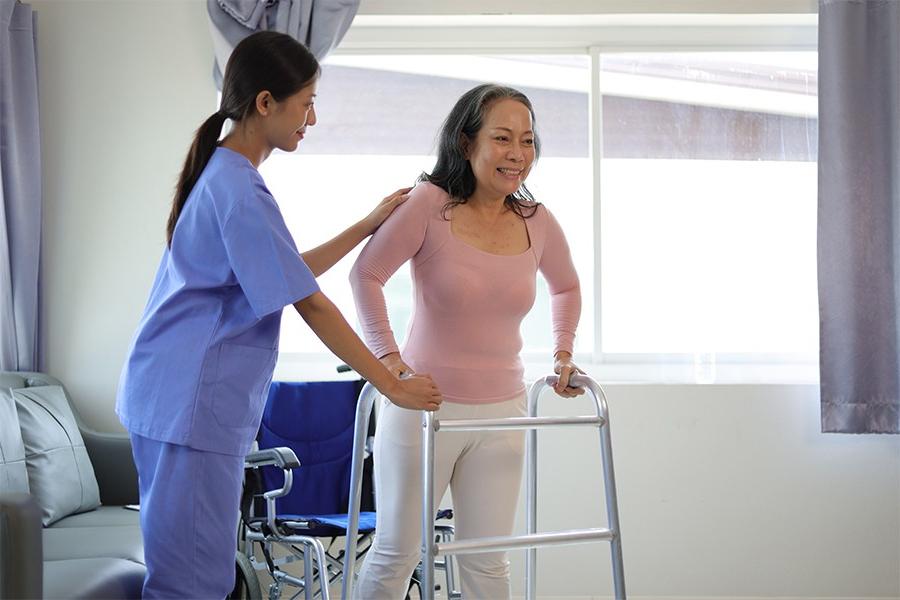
x=280, y=457
x=283, y=458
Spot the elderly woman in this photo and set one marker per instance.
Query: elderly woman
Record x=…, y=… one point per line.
x=476, y=238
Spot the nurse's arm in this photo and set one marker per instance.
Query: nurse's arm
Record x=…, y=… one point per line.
x=327, y=322
x=322, y=258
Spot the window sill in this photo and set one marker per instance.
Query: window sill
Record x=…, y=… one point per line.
x=322, y=367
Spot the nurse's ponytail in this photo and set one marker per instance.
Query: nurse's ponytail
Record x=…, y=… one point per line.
x=264, y=61
x=205, y=141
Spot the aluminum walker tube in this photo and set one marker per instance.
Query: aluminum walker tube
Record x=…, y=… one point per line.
x=609, y=483
x=360, y=430
x=428, y=541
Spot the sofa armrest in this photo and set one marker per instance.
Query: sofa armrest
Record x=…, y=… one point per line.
x=114, y=468
x=21, y=547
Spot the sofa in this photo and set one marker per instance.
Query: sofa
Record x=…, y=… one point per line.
x=65, y=530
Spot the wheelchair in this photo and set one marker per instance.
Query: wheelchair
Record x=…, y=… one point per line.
x=296, y=495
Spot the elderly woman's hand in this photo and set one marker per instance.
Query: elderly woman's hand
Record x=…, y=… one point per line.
x=565, y=368
x=395, y=364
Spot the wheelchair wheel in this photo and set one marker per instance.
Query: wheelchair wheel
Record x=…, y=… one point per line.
x=246, y=583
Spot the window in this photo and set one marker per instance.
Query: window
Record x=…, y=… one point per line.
x=708, y=200
x=685, y=182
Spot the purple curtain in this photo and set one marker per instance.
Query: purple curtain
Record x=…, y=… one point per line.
x=859, y=215
x=319, y=24
x=20, y=189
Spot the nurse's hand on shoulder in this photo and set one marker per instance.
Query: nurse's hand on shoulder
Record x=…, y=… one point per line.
x=565, y=368
x=385, y=208
x=417, y=392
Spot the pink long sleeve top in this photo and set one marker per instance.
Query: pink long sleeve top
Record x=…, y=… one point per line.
x=469, y=304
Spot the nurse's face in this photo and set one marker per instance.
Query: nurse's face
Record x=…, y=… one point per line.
x=287, y=122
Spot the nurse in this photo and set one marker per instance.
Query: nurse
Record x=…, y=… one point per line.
x=194, y=384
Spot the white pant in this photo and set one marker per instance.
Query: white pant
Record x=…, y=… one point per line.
x=484, y=472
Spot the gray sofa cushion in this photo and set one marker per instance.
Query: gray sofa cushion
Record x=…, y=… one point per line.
x=94, y=542
x=60, y=474
x=93, y=578
x=105, y=516
x=13, y=474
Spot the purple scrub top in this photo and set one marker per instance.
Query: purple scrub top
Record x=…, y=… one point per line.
x=200, y=364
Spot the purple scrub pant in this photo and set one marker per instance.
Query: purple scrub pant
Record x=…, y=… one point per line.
x=190, y=501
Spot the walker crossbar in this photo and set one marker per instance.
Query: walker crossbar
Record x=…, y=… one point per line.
x=515, y=423
x=518, y=542
x=532, y=539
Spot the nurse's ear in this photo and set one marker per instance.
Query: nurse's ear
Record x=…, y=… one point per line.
x=265, y=102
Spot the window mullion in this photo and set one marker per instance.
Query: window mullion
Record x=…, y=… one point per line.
x=595, y=97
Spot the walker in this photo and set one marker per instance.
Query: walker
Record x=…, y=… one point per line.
x=532, y=539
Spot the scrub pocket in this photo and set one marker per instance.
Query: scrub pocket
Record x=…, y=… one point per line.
x=242, y=373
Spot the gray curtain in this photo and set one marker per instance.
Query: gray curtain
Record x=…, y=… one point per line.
x=319, y=24
x=859, y=215
x=20, y=189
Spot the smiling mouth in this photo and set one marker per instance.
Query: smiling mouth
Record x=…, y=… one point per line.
x=510, y=172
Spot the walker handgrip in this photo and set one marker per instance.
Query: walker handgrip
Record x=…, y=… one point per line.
x=575, y=381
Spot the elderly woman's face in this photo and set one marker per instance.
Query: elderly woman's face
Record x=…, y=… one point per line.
x=502, y=152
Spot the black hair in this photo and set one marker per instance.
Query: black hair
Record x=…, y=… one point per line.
x=452, y=171
x=262, y=61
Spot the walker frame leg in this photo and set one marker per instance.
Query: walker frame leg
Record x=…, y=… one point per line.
x=428, y=540
x=531, y=495
x=360, y=430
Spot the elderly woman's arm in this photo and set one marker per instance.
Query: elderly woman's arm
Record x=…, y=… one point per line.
x=565, y=303
x=397, y=240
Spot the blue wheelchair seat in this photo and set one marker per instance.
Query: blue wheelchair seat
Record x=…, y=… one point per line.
x=315, y=420
x=366, y=521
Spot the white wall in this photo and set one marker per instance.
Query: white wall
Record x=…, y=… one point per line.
x=123, y=85
x=724, y=491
